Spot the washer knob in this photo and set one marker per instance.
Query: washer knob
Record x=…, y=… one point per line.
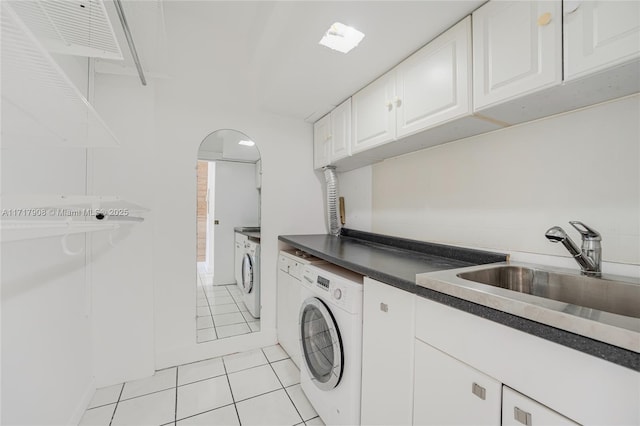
x=337, y=293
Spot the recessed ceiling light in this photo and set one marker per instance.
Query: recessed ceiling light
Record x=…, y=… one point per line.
x=247, y=143
x=341, y=37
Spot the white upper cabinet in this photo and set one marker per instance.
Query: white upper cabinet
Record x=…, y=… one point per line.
x=517, y=49
x=332, y=136
x=322, y=142
x=599, y=34
x=433, y=85
x=429, y=88
x=374, y=119
x=341, y=131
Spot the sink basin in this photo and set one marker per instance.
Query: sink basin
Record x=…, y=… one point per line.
x=617, y=297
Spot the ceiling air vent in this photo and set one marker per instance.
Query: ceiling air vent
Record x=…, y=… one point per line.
x=70, y=27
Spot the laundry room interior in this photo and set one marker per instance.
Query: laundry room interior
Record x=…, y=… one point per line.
x=320, y=212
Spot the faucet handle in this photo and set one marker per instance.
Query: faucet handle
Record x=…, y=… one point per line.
x=587, y=232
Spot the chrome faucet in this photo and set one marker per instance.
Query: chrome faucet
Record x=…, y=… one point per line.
x=590, y=256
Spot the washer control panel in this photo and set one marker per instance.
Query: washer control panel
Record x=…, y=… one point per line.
x=336, y=285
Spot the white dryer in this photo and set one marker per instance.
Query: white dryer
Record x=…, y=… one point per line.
x=330, y=327
x=251, y=278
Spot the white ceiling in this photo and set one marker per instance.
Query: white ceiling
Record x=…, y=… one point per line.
x=266, y=54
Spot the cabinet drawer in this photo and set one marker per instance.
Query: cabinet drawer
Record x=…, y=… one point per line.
x=518, y=410
x=448, y=391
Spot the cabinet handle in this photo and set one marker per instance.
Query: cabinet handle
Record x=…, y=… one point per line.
x=479, y=391
x=389, y=105
x=522, y=416
x=544, y=19
x=328, y=137
x=397, y=101
x=384, y=307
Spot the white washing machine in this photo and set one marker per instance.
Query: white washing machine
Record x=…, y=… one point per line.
x=240, y=250
x=330, y=327
x=291, y=265
x=251, y=278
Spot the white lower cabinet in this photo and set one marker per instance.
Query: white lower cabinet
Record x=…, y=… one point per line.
x=553, y=383
x=449, y=392
x=240, y=241
x=387, y=355
x=288, y=306
x=518, y=410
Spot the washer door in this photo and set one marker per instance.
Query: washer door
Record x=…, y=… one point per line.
x=247, y=274
x=321, y=344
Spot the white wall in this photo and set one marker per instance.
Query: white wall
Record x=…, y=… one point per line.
x=122, y=276
x=356, y=188
x=46, y=325
x=504, y=189
x=236, y=205
x=291, y=204
x=161, y=133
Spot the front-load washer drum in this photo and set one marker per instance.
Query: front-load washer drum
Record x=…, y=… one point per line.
x=321, y=344
x=247, y=274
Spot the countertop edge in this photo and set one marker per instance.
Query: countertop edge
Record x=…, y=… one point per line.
x=602, y=350
x=605, y=351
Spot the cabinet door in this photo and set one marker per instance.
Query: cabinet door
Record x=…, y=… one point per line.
x=433, y=85
x=373, y=115
x=237, y=258
x=599, y=34
x=516, y=49
x=387, y=355
x=341, y=131
x=288, y=299
x=449, y=392
x=518, y=410
x=322, y=142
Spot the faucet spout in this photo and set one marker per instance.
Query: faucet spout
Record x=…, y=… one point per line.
x=589, y=256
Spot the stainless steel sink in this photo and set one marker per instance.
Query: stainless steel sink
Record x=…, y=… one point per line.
x=617, y=297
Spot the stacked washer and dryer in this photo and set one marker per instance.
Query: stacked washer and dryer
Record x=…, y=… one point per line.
x=329, y=336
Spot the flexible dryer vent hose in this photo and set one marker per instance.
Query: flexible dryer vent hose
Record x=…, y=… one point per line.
x=332, y=200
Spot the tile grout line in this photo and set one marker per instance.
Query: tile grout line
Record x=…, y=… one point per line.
x=226, y=374
x=175, y=412
x=210, y=312
x=117, y=402
x=243, y=318
x=234, y=302
x=208, y=411
x=283, y=388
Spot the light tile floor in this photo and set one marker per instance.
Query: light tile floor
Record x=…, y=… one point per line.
x=260, y=387
x=220, y=310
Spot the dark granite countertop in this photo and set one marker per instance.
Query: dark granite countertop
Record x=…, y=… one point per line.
x=250, y=231
x=397, y=261
x=394, y=261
